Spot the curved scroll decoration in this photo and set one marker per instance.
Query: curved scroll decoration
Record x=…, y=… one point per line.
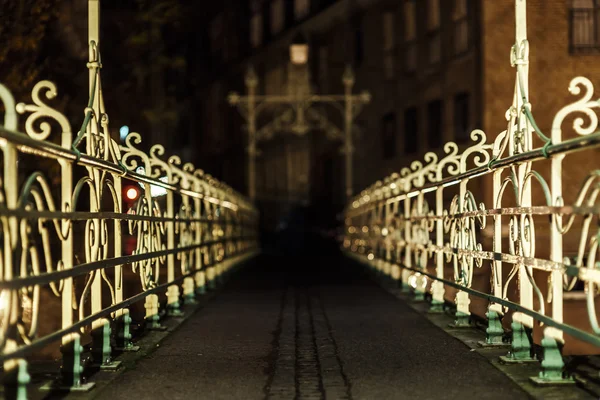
x=450, y=163
x=96, y=233
x=463, y=236
x=584, y=105
x=183, y=226
x=592, y=289
x=424, y=173
x=32, y=256
x=396, y=236
x=522, y=229
x=36, y=125
x=150, y=238
x=478, y=152
x=159, y=167
x=420, y=234
x=131, y=157
x=587, y=197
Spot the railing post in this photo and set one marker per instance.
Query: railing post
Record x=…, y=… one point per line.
x=15, y=379
x=396, y=272
x=71, y=368
x=419, y=289
x=209, y=259
x=495, y=331
x=462, y=300
x=152, y=318
x=407, y=249
x=173, y=290
x=101, y=347
x=124, y=333
x=437, y=287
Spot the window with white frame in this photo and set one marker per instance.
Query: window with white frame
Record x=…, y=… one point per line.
x=433, y=31
x=410, y=35
x=461, y=26
x=277, y=16
x=301, y=9
x=388, y=25
x=256, y=29
x=585, y=25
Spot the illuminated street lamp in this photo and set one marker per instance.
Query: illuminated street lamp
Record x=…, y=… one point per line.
x=299, y=117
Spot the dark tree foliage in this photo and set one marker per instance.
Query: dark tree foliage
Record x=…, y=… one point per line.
x=147, y=78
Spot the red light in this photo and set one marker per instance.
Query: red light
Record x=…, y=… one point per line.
x=131, y=193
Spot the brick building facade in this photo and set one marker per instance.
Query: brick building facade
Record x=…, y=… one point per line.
x=436, y=70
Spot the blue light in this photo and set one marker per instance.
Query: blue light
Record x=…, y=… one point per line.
x=123, y=132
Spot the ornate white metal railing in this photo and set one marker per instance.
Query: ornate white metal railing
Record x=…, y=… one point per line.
x=405, y=228
x=65, y=237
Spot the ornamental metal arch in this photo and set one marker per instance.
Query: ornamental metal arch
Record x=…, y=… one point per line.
x=297, y=113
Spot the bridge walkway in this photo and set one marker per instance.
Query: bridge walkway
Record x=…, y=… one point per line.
x=309, y=328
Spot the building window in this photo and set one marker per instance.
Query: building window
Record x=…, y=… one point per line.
x=411, y=131
x=461, y=26
x=388, y=24
x=435, y=124
x=433, y=31
x=585, y=20
x=410, y=35
x=358, y=46
x=256, y=30
x=388, y=135
x=301, y=9
x=461, y=117
x=277, y=16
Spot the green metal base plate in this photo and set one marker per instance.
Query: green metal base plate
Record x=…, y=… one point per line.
x=111, y=366
x=509, y=360
x=55, y=386
x=435, y=311
x=485, y=344
x=128, y=349
x=544, y=382
x=454, y=326
x=175, y=313
x=159, y=328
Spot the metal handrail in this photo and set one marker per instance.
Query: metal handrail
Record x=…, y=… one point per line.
x=57, y=237
x=392, y=228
